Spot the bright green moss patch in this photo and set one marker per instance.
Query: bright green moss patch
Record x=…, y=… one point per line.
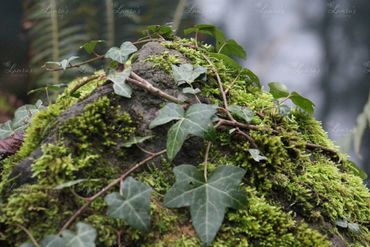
x=262, y=224
x=164, y=61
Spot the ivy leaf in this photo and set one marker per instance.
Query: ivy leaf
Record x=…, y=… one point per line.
x=135, y=140
x=168, y=113
x=28, y=244
x=342, y=223
x=196, y=121
x=91, y=45
x=133, y=205
x=252, y=77
x=23, y=115
x=207, y=29
x=302, y=102
x=186, y=73
x=256, y=155
x=242, y=112
x=65, y=62
x=190, y=90
x=158, y=30
x=85, y=236
x=354, y=227
x=119, y=82
x=6, y=130
x=232, y=48
x=53, y=241
x=207, y=200
x=228, y=61
x=278, y=90
x=121, y=54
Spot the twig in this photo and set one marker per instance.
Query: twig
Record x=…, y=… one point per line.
x=108, y=187
x=76, y=65
x=29, y=235
x=248, y=137
x=222, y=91
x=245, y=126
x=141, y=82
x=311, y=146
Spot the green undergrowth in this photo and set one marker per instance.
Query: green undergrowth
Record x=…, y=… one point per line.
x=289, y=194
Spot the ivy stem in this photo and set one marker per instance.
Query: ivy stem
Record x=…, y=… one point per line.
x=29, y=235
x=108, y=187
x=206, y=161
x=97, y=58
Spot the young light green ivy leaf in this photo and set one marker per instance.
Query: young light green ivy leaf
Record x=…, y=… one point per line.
x=6, y=130
x=256, y=155
x=168, y=113
x=122, y=54
x=91, y=45
x=85, y=236
x=186, y=73
x=302, y=102
x=119, y=82
x=242, y=112
x=228, y=61
x=207, y=200
x=231, y=48
x=278, y=90
x=133, y=205
x=135, y=140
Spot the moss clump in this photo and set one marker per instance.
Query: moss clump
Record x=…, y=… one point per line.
x=263, y=224
x=164, y=61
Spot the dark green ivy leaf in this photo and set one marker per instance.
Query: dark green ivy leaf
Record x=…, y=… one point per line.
x=133, y=205
x=196, y=120
x=207, y=200
x=122, y=54
x=6, y=130
x=84, y=237
x=186, y=73
x=278, y=90
x=158, y=30
x=53, y=241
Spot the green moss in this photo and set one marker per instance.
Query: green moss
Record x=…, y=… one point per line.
x=262, y=224
x=164, y=61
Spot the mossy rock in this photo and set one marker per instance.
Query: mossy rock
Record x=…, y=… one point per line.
x=295, y=197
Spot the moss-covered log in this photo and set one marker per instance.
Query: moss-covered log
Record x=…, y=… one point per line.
x=295, y=197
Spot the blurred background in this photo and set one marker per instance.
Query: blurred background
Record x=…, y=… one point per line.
x=319, y=48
